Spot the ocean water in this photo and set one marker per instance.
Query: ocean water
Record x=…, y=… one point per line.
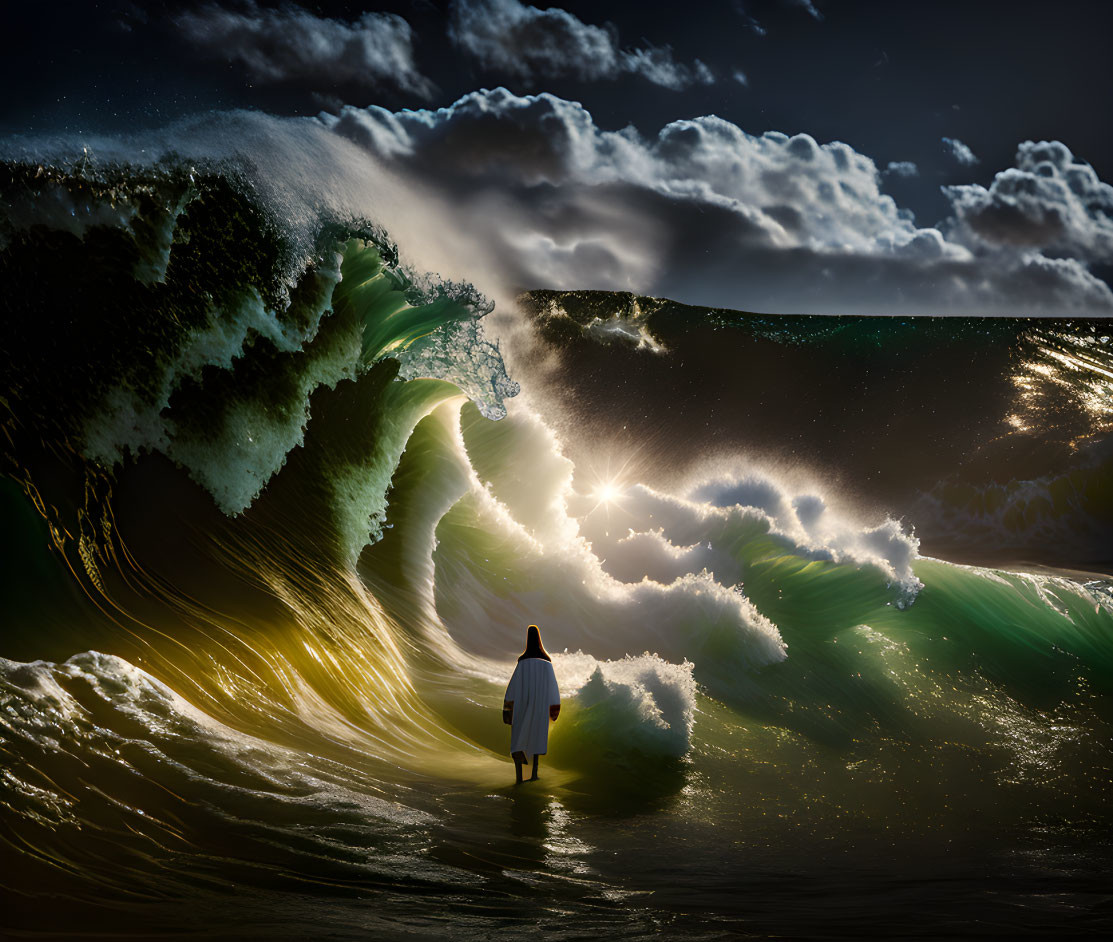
x=829, y=599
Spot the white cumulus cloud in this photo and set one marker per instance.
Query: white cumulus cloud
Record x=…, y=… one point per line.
x=291, y=44
x=959, y=152
x=706, y=213
x=703, y=212
x=1049, y=201
x=902, y=168
x=529, y=42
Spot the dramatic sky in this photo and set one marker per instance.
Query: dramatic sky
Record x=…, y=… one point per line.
x=774, y=155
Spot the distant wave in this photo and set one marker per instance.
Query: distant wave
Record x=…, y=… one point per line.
x=992, y=436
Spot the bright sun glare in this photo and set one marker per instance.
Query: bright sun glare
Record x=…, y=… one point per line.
x=606, y=493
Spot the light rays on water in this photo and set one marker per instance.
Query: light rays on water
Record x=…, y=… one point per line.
x=1075, y=368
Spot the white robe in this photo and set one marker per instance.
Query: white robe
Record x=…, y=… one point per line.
x=532, y=689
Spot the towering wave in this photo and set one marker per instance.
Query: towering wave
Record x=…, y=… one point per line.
x=277, y=519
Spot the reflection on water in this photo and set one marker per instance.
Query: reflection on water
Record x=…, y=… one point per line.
x=1064, y=385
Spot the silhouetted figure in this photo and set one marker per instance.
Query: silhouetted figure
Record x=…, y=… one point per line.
x=532, y=700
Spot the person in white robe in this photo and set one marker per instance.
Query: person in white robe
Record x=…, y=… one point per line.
x=532, y=701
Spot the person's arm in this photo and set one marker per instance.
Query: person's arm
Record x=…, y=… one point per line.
x=512, y=691
x=554, y=695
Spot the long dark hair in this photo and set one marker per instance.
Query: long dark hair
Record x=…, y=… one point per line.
x=534, y=647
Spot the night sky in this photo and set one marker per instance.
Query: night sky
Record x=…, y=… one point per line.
x=662, y=179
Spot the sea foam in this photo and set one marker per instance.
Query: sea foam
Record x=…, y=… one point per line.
x=637, y=704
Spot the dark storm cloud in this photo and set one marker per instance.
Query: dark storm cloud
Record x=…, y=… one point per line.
x=959, y=152
x=292, y=44
x=706, y=213
x=1049, y=201
x=806, y=5
x=748, y=21
x=521, y=40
